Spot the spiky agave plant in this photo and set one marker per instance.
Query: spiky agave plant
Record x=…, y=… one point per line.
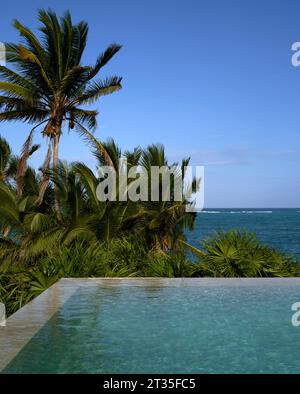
x=48, y=86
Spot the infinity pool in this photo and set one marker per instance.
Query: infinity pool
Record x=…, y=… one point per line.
x=168, y=326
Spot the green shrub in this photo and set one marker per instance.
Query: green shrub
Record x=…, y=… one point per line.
x=236, y=254
x=231, y=254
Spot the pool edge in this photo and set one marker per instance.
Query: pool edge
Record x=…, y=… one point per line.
x=27, y=321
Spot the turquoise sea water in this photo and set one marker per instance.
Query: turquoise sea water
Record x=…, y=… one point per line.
x=159, y=329
x=279, y=228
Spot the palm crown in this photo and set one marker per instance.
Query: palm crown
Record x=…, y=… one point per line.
x=48, y=86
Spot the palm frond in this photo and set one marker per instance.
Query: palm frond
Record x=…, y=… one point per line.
x=96, y=145
x=104, y=58
x=22, y=167
x=95, y=90
x=85, y=117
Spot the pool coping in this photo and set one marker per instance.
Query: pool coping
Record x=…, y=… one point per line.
x=27, y=321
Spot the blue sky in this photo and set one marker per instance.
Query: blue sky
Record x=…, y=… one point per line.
x=209, y=79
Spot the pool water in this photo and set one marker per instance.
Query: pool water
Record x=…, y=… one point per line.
x=169, y=329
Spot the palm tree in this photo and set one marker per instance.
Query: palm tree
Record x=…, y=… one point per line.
x=165, y=221
x=33, y=226
x=48, y=86
x=161, y=223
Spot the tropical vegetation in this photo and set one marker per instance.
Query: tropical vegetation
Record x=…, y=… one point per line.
x=52, y=223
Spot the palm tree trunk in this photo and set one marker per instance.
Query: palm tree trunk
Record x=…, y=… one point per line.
x=55, y=161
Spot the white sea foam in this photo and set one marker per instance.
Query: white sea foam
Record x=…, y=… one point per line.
x=240, y=212
x=246, y=212
x=210, y=212
x=257, y=211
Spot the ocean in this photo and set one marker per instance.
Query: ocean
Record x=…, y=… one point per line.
x=279, y=228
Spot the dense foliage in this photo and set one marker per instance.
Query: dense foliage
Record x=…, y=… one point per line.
x=230, y=254
x=236, y=254
x=89, y=237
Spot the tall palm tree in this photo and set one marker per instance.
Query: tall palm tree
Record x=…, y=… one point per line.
x=48, y=85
